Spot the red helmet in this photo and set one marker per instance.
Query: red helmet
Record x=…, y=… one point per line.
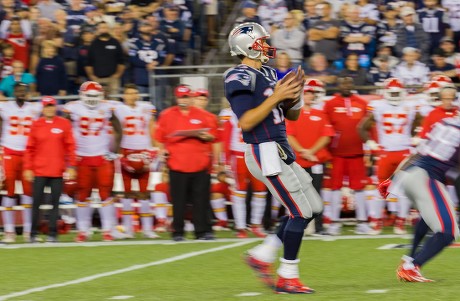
x=91, y=93
x=442, y=79
x=431, y=90
x=136, y=163
x=70, y=187
x=393, y=90
x=318, y=88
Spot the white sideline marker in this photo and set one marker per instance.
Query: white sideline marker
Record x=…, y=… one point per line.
x=124, y=270
x=248, y=294
x=120, y=297
x=377, y=291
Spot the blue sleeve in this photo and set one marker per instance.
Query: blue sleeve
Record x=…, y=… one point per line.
x=241, y=102
x=237, y=81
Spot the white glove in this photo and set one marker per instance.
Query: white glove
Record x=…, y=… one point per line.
x=414, y=141
x=110, y=156
x=372, y=145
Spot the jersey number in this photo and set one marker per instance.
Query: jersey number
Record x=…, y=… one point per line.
x=278, y=115
x=394, y=123
x=20, y=125
x=134, y=125
x=91, y=126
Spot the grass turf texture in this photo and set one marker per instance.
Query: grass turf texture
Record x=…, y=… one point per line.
x=336, y=269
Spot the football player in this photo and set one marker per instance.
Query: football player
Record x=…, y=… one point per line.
x=90, y=116
x=137, y=120
x=235, y=147
x=16, y=118
x=261, y=105
x=395, y=120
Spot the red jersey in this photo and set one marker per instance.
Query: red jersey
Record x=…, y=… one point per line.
x=50, y=147
x=310, y=126
x=174, y=130
x=434, y=116
x=21, y=48
x=345, y=113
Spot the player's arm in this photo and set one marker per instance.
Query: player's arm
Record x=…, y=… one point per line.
x=152, y=129
x=117, y=131
x=417, y=123
x=365, y=126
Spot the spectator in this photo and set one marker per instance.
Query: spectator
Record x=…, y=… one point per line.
x=353, y=70
x=368, y=12
x=411, y=71
x=435, y=22
x=387, y=28
x=8, y=83
x=283, y=64
x=76, y=13
x=6, y=60
x=211, y=12
x=47, y=8
x=46, y=31
x=176, y=31
x=51, y=74
x=411, y=34
x=105, y=59
x=150, y=50
x=272, y=13
x=319, y=69
x=86, y=38
x=290, y=39
x=19, y=41
x=180, y=139
x=33, y=17
x=447, y=44
x=325, y=33
x=25, y=23
x=356, y=36
x=249, y=13
x=50, y=151
x=453, y=11
x=383, y=65
x=439, y=65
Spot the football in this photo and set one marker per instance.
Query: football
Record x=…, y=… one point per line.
x=296, y=76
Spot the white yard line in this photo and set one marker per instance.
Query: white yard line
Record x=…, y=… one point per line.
x=125, y=270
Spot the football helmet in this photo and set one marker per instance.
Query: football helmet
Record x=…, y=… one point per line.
x=393, y=90
x=248, y=39
x=431, y=90
x=318, y=89
x=443, y=80
x=91, y=93
x=136, y=163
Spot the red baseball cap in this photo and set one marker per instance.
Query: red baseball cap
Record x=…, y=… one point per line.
x=308, y=89
x=201, y=92
x=48, y=101
x=183, y=91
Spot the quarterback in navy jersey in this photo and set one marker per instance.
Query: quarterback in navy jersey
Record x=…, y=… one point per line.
x=261, y=104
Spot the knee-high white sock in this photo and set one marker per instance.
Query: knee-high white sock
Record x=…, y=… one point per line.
x=374, y=203
x=392, y=203
x=326, y=195
x=26, y=202
x=239, y=209
x=127, y=215
x=276, y=205
x=161, y=204
x=146, y=216
x=106, y=213
x=258, y=203
x=219, y=208
x=360, y=206
x=268, y=250
x=8, y=214
x=83, y=216
x=404, y=206
x=336, y=205
x=452, y=194
x=288, y=268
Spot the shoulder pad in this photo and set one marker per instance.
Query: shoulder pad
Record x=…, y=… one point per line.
x=239, y=79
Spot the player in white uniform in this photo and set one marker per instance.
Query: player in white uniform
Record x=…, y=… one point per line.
x=137, y=120
x=16, y=119
x=90, y=117
x=235, y=147
x=395, y=119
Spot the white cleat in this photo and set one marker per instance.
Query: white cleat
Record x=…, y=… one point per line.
x=365, y=229
x=334, y=229
x=9, y=238
x=151, y=235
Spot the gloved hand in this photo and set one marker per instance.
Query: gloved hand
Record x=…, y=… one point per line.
x=110, y=156
x=383, y=188
x=373, y=145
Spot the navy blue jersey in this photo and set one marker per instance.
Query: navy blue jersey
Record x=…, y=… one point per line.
x=440, y=152
x=247, y=88
x=142, y=52
x=361, y=29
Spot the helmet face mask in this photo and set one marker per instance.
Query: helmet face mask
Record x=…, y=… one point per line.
x=431, y=90
x=249, y=40
x=91, y=94
x=317, y=87
x=393, y=91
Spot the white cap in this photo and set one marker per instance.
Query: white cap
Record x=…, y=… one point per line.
x=406, y=11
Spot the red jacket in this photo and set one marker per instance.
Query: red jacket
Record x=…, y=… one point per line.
x=50, y=147
x=186, y=154
x=438, y=114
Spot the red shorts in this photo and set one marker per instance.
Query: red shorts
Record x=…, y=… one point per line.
x=221, y=188
x=243, y=177
x=12, y=165
x=388, y=162
x=143, y=178
x=94, y=172
x=353, y=168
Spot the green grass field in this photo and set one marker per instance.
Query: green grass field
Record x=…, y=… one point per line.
x=346, y=268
